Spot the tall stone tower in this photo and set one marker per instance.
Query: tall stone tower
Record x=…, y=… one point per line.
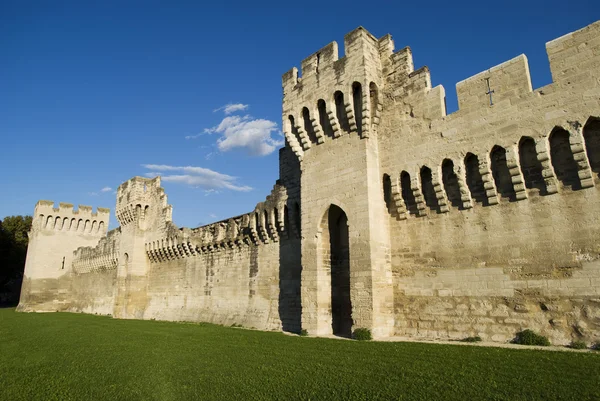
x=331, y=115
x=141, y=209
x=55, y=234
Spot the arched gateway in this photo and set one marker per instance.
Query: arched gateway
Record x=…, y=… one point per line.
x=335, y=246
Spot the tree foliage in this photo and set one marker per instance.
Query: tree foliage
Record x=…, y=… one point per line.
x=13, y=251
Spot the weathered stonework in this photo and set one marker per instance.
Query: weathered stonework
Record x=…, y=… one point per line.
x=388, y=214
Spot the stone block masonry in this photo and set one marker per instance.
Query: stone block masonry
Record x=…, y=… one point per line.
x=388, y=214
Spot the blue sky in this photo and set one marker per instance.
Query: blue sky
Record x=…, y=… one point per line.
x=94, y=93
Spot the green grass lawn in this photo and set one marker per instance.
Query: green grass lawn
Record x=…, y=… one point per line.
x=61, y=356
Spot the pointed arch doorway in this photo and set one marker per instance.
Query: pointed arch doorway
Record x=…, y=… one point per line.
x=336, y=257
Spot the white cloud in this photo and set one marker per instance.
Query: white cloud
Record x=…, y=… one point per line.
x=246, y=132
x=232, y=108
x=212, y=216
x=196, y=177
x=103, y=190
x=254, y=135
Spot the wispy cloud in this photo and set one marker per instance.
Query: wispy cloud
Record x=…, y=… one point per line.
x=253, y=135
x=232, y=108
x=103, y=190
x=212, y=216
x=196, y=176
x=245, y=132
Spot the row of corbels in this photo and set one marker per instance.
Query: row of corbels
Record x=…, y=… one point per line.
x=490, y=193
x=96, y=264
x=296, y=132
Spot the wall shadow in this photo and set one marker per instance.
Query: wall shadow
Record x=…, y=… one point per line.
x=290, y=246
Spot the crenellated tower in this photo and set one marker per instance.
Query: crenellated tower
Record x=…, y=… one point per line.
x=55, y=234
x=330, y=118
x=141, y=209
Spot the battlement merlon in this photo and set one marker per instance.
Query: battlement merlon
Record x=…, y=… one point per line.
x=46, y=208
x=64, y=218
x=508, y=80
x=575, y=52
x=362, y=49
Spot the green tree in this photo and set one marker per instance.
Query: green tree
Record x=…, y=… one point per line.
x=13, y=251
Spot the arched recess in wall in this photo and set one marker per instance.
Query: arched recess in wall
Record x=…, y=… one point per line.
x=591, y=135
x=308, y=127
x=276, y=222
x=357, y=102
x=49, y=223
x=501, y=173
x=428, y=190
x=387, y=192
x=374, y=100
x=101, y=226
x=266, y=217
x=294, y=129
x=324, y=119
x=340, y=111
x=474, y=179
x=57, y=223
x=450, y=181
x=286, y=220
x=66, y=224
x=335, y=251
x=531, y=167
x=297, y=217
x=407, y=194
x=562, y=158
x=126, y=265
x=138, y=213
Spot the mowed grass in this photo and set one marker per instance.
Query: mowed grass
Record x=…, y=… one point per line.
x=61, y=356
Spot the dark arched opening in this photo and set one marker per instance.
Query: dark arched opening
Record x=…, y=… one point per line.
x=407, y=194
x=387, y=192
x=428, y=190
x=357, y=100
x=450, y=181
x=308, y=127
x=591, y=135
x=531, y=167
x=563, y=161
x=336, y=247
x=294, y=129
x=324, y=118
x=474, y=179
x=374, y=100
x=340, y=111
x=501, y=173
x=266, y=223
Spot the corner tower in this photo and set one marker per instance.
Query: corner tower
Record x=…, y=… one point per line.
x=330, y=119
x=54, y=235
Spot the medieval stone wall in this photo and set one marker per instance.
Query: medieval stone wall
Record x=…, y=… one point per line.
x=389, y=214
x=495, y=209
